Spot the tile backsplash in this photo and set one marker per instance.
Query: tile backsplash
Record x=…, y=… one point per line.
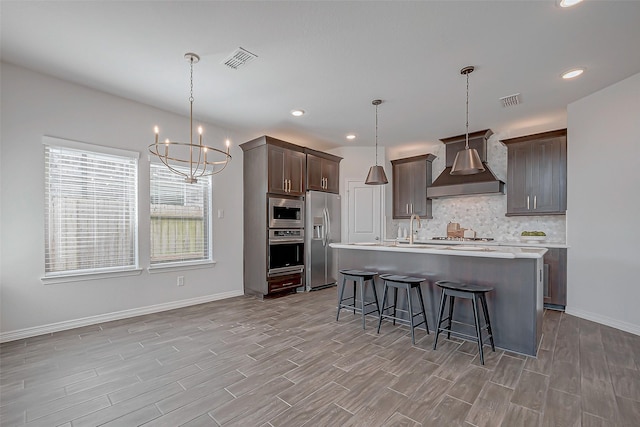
x=483, y=214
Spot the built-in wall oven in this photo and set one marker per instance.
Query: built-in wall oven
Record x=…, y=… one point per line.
x=286, y=252
x=286, y=213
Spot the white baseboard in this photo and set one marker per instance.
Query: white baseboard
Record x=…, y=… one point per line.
x=604, y=320
x=102, y=318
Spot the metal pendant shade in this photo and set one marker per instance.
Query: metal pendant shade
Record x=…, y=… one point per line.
x=467, y=161
x=376, y=175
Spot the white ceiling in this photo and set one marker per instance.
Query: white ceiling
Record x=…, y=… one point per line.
x=332, y=58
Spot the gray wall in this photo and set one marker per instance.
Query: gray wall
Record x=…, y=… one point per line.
x=34, y=105
x=603, y=205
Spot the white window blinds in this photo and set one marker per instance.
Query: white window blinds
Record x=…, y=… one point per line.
x=90, y=209
x=180, y=218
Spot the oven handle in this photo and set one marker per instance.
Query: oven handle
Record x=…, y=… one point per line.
x=283, y=271
x=285, y=241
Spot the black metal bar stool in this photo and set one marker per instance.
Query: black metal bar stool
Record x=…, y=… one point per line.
x=476, y=293
x=360, y=278
x=407, y=283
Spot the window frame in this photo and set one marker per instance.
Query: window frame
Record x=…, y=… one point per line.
x=183, y=264
x=93, y=272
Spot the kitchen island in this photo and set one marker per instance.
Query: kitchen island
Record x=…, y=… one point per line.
x=515, y=273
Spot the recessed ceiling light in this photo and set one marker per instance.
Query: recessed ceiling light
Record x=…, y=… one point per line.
x=297, y=113
x=572, y=73
x=351, y=137
x=569, y=3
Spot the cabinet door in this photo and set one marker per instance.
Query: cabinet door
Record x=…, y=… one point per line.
x=331, y=174
x=518, y=177
x=418, y=204
x=537, y=174
x=276, y=170
x=548, y=159
x=315, y=172
x=295, y=170
x=402, y=190
x=555, y=262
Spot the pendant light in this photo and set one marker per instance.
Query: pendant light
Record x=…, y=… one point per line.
x=467, y=161
x=190, y=159
x=376, y=174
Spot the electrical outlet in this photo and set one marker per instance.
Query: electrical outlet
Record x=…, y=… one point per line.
x=180, y=280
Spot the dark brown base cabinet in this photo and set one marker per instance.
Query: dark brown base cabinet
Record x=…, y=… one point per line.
x=411, y=178
x=555, y=278
x=537, y=174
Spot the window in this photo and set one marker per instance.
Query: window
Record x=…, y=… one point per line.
x=180, y=218
x=90, y=208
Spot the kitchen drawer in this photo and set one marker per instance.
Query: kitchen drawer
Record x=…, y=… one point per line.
x=282, y=283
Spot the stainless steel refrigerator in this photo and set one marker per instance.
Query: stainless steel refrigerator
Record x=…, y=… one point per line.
x=322, y=226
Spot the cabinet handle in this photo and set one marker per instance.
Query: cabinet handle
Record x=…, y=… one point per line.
x=411, y=207
x=528, y=203
x=535, y=202
x=289, y=186
x=407, y=208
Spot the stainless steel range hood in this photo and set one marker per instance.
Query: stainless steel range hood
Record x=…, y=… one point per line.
x=447, y=185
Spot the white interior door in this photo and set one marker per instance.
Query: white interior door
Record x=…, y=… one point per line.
x=365, y=202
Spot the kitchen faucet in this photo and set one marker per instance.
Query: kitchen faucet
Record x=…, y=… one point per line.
x=413, y=216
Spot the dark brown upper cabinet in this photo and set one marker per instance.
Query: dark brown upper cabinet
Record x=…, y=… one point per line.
x=323, y=171
x=287, y=170
x=411, y=178
x=537, y=174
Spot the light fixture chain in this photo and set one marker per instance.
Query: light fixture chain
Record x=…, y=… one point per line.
x=191, y=80
x=376, y=135
x=467, y=139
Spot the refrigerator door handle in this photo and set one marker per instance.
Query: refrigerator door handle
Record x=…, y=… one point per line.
x=324, y=227
x=328, y=229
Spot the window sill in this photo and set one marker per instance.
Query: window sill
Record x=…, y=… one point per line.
x=81, y=277
x=175, y=266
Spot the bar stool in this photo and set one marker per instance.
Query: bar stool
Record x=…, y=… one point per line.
x=407, y=283
x=360, y=278
x=476, y=293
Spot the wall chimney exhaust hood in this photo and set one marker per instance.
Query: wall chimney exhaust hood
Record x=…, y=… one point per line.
x=447, y=185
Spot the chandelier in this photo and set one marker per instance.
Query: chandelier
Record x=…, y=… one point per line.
x=191, y=160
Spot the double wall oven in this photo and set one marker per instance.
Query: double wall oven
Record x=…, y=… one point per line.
x=285, y=252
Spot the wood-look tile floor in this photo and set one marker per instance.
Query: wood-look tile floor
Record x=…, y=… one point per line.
x=287, y=362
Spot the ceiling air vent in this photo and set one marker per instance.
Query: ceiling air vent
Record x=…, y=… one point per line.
x=239, y=58
x=510, y=100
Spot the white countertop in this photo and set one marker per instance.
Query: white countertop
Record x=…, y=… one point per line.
x=514, y=243
x=479, y=249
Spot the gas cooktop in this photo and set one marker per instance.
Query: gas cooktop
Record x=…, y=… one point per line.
x=465, y=239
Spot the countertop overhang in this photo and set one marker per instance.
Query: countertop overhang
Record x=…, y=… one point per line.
x=476, y=250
